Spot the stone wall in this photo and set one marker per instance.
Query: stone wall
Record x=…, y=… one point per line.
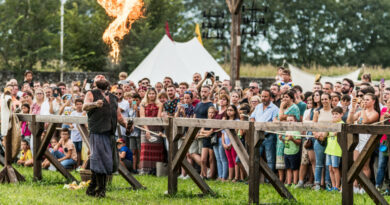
x=263, y=82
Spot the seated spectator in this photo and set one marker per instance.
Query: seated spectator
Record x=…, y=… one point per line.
x=25, y=155
x=53, y=143
x=125, y=154
x=69, y=158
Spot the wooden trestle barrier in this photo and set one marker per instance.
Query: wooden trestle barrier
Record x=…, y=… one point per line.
x=186, y=129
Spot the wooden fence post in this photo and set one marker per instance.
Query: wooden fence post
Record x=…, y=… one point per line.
x=37, y=132
x=254, y=164
x=172, y=173
x=347, y=143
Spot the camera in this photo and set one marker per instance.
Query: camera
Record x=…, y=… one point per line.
x=210, y=74
x=57, y=92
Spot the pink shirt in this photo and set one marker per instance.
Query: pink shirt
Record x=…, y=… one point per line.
x=383, y=111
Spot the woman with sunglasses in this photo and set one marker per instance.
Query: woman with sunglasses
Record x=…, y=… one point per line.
x=152, y=147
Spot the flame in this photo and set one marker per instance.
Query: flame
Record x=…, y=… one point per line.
x=125, y=12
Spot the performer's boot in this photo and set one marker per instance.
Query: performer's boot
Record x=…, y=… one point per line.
x=101, y=190
x=91, y=190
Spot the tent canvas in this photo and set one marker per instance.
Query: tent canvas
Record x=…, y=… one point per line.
x=178, y=61
x=306, y=80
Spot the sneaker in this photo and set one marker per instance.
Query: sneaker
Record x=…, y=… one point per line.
x=316, y=187
x=181, y=176
x=328, y=187
x=186, y=177
x=299, y=185
x=356, y=190
x=308, y=185
x=336, y=189
x=362, y=191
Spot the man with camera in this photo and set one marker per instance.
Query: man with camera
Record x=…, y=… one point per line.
x=103, y=115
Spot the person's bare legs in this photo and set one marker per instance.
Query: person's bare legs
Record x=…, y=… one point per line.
x=332, y=176
x=204, y=158
x=337, y=176
x=355, y=156
x=295, y=176
x=281, y=175
x=302, y=172
x=289, y=176
x=212, y=163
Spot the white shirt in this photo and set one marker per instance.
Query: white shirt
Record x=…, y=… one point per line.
x=5, y=113
x=125, y=107
x=75, y=135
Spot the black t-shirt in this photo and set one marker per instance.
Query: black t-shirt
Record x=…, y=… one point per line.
x=277, y=103
x=201, y=109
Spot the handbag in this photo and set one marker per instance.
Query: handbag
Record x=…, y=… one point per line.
x=308, y=144
x=214, y=139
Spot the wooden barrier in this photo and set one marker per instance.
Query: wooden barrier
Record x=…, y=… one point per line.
x=348, y=136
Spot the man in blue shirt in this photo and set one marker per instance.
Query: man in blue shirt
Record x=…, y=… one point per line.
x=266, y=112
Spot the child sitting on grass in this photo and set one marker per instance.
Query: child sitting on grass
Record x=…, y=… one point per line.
x=25, y=155
x=292, y=142
x=69, y=157
x=333, y=150
x=53, y=143
x=125, y=154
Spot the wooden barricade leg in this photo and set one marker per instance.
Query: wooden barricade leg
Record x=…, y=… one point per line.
x=173, y=146
x=254, y=163
x=355, y=171
x=9, y=174
x=126, y=174
x=59, y=167
x=348, y=143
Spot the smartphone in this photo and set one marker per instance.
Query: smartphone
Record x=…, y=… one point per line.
x=217, y=78
x=185, y=105
x=382, y=80
x=134, y=102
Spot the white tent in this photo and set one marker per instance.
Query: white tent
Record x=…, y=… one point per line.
x=306, y=80
x=178, y=61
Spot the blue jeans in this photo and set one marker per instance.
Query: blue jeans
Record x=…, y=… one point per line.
x=269, y=145
x=382, y=164
x=67, y=163
x=220, y=156
x=320, y=162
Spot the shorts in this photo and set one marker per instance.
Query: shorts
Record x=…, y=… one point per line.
x=196, y=147
x=305, y=155
x=78, y=146
x=333, y=161
x=135, y=142
x=206, y=143
x=363, y=139
x=292, y=161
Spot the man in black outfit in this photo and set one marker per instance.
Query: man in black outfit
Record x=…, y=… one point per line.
x=103, y=115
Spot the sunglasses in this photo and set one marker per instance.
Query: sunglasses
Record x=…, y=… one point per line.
x=187, y=92
x=252, y=87
x=359, y=96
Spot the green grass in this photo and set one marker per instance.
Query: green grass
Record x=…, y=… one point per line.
x=246, y=70
x=50, y=191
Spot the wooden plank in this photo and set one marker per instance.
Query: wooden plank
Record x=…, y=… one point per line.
x=347, y=156
x=366, y=153
x=62, y=119
x=369, y=129
x=37, y=162
x=180, y=155
x=8, y=146
x=274, y=180
x=59, y=167
x=25, y=117
x=157, y=121
x=11, y=174
x=172, y=173
x=46, y=140
x=206, y=123
x=239, y=148
x=129, y=177
x=370, y=189
x=298, y=126
x=84, y=134
x=254, y=165
x=196, y=178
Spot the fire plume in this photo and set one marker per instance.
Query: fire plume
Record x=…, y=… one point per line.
x=125, y=12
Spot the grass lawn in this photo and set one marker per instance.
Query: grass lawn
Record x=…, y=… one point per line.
x=50, y=191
